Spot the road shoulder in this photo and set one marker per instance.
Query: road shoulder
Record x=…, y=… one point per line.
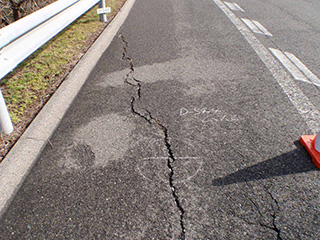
x=19, y=161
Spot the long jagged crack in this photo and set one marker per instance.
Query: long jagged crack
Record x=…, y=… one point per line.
x=135, y=112
x=132, y=81
x=129, y=76
x=171, y=159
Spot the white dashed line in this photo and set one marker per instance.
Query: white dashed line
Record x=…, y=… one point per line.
x=297, y=69
x=295, y=72
x=313, y=78
x=240, y=8
x=231, y=6
x=262, y=28
x=256, y=27
x=234, y=6
x=305, y=108
x=251, y=25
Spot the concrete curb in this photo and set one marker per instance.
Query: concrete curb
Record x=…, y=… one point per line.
x=20, y=160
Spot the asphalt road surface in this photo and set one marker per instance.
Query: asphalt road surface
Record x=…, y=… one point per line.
x=187, y=128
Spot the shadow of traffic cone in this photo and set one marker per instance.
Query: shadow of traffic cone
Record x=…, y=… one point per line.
x=312, y=144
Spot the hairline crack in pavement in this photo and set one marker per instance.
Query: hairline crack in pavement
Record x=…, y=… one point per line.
x=150, y=119
x=274, y=226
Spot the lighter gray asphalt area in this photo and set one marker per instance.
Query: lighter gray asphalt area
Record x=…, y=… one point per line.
x=181, y=131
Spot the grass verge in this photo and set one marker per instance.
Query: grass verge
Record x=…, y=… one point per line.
x=31, y=84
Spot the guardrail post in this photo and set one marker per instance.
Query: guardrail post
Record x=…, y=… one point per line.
x=5, y=120
x=103, y=17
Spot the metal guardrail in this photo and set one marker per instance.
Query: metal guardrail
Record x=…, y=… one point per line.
x=24, y=25
x=23, y=37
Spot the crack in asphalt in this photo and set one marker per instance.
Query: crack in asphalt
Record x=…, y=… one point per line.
x=171, y=159
x=129, y=76
x=132, y=81
x=274, y=227
x=273, y=215
x=133, y=110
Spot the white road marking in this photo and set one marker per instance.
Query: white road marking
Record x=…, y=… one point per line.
x=262, y=28
x=313, y=78
x=256, y=27
x=295, y=72
x=234, y=6
x=251, y=25
x=303, y=105
x=298, y=70
x=231, y=6
x=240, y=8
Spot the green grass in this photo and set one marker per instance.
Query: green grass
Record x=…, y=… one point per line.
x=30, y=84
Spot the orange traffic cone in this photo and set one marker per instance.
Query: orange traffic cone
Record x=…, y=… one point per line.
x=312, y=144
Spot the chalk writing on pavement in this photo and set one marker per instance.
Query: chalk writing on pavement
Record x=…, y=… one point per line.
x=208, y=114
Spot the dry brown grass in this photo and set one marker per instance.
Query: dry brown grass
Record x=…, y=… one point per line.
x=12, y=10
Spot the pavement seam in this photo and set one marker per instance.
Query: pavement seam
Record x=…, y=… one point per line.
x=132, y=81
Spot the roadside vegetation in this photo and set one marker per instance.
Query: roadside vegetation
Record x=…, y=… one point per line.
x=13, y=10
x=31, y=84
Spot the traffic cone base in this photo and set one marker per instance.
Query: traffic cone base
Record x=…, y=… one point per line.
x=306, y=141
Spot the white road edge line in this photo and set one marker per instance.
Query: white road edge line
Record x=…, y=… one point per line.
x=237, y=6
x=251, y=25
x=295, y=72
x=303, y=105
x=313, y=78
x=20, y=160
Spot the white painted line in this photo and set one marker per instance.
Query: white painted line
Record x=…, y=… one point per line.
x=303, y=105
x=231, y=6
x=313, y=78
x=237, y=6
x=234, y=6
x=295, y=72
x=19, y=161
x=251, y=25
x=262, y=28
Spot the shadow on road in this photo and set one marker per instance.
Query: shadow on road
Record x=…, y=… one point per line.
x=296, y=161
